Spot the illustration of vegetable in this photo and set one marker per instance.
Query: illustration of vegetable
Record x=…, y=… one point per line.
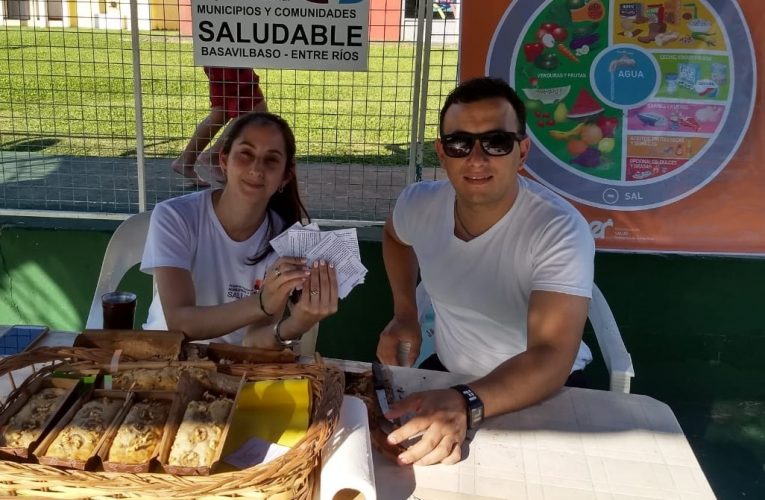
x=707, y=38
x=533, y=50
x=584, y=41
x=547, y=61
x=567, y=53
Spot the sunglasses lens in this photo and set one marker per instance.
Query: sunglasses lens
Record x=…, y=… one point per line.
x=458, y=145
x=498, y=143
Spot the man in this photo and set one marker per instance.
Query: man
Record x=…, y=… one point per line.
x=507, y=263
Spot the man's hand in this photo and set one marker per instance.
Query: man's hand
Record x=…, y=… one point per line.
x=398, y=331
x=440, y=417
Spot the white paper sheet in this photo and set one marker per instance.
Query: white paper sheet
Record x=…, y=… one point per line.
x=340, y=247
x=350, y=271
x=347, y=456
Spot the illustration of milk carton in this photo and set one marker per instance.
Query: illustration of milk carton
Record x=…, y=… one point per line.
x=688, y=74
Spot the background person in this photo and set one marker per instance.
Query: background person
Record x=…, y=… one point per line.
x=233, y=92
x=217, y=276
x=508, y=265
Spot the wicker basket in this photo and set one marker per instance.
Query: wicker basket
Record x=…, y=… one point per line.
x=293, y=475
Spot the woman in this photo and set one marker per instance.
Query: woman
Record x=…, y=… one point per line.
x=217, y=276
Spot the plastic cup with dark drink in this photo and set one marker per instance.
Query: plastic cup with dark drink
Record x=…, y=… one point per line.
x=119, y=310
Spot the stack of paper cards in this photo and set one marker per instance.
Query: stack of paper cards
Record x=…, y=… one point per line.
x=340, y=248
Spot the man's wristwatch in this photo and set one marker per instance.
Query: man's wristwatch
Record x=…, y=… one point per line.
x=474, y=405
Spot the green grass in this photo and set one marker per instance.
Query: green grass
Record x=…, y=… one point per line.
x=70, y=92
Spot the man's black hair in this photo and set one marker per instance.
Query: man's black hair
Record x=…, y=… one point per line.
x=485, y=87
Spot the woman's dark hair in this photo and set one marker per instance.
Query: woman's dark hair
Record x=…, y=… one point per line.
x=286, y=203
x=485, y=87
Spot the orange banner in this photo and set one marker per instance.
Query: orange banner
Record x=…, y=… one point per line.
x=647, y=115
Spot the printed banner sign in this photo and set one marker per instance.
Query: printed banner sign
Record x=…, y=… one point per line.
x=645, y=114
x=289, y=34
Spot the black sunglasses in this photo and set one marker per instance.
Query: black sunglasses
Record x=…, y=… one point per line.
x=494, y=143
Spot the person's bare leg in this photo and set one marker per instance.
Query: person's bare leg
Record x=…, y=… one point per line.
x=202, y=136
x=210, y=159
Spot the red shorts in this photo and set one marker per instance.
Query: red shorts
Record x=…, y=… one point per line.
x=234, y=89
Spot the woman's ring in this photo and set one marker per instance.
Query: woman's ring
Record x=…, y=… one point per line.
x=314, y=291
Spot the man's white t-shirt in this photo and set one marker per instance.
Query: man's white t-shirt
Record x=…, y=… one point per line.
x=480, y=288
x=185, y=232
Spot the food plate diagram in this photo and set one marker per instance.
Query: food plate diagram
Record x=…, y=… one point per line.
x=630, y=105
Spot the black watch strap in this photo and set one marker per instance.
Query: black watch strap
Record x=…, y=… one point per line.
x=474, y=405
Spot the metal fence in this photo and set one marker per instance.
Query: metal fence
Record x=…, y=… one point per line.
x=97, y=99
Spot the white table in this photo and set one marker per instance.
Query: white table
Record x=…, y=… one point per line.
x=579, y=444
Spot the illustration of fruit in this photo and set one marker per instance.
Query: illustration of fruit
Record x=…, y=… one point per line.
x=589, y=158
x=563, y=135
x=585, y=107
x=561, y=113
x=576, y=147
x=591, y=134
x=607, y=124
x=606, y=145
x=533, y=105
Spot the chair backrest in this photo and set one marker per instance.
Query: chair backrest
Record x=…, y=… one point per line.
x=125, y=250
x=617, y=359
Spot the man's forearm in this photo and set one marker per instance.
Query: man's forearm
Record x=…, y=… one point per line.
x=401, y=267
x=523, y=380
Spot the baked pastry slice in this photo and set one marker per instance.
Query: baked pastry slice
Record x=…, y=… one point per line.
x=200, y=432
x=140, y=433
x=79, y=438
x=26, y=426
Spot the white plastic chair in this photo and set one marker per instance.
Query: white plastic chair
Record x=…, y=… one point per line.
x=124, y=251
x=617, y=359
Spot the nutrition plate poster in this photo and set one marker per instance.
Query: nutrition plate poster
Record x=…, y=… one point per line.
x=646, y=115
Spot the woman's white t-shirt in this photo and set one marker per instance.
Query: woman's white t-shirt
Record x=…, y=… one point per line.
x=185, y=233
x=480, y=288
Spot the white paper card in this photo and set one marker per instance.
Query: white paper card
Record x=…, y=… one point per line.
x=255, y=451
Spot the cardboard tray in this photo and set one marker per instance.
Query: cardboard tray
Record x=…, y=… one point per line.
x=92, y=461
x=137, y=344
x=69, y=384
x=173, y=402
x=190, y=389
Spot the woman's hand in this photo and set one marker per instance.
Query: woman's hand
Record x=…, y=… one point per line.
x=318, y=298
x=281, y=279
